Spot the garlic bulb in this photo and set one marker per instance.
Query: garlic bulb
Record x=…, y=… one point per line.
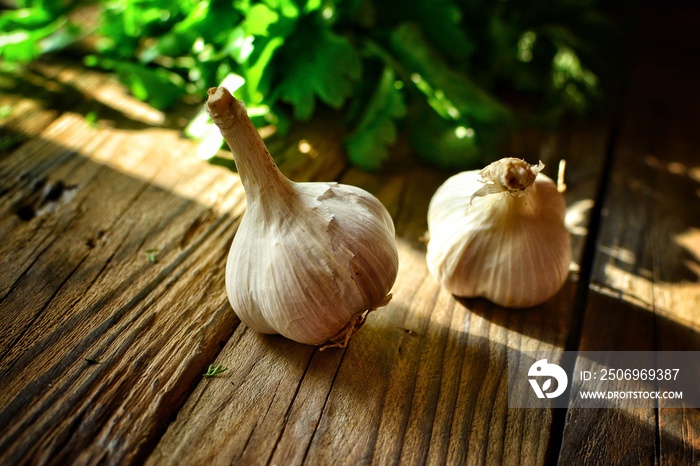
x=499, y=233
x=309, y=260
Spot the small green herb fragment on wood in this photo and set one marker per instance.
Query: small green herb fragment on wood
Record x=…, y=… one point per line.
x=91, y=119
x=151, y=255
x=213, y=370
x=92, y=361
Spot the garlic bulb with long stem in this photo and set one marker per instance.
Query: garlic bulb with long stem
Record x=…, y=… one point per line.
x=499, y=233
x=309, y=260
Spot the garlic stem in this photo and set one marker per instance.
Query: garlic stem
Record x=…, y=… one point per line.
x=256, y=167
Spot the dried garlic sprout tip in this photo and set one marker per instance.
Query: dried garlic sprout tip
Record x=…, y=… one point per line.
x=509, y=175
x=219, y=101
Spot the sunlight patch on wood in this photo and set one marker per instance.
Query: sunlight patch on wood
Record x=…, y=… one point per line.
x=157, y=156
x=577, y=216
x=676, y=301
x=690, y=241
x=620, y=254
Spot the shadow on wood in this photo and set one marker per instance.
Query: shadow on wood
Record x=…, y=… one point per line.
x=100, y=345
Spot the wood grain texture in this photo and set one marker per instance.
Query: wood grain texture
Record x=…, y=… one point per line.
x=82, y=205
x=424, y=381
x=90, y=292
x=644, y=284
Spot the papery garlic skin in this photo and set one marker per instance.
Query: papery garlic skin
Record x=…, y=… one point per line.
x=308, y=259
x=309, y=273
x=509, y=244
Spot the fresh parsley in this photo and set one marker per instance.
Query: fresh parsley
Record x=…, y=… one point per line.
x=441, y=74
x=213, y=370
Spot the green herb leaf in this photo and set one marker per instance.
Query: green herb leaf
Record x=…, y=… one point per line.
x=445, y=143
x=91, y=118
x=254, y=90
x=450, y=93
x=24, y=45
x=200, y=26
x=157, y=86
x=450, y=54
x=151, y=255
x=368, y=145
x=440, y=21
x=258, y=19
x=315, y=62
x=213, y=370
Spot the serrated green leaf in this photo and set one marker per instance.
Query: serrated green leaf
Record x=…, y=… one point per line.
x=255, y=70
x=439, y=20
x=24, y=18
x=201, y=23
x=239, y=45
x=315, y=62
x=159, y=87
x=449, y=53
x=444, y=143
x=312, y=5
x=368, y=146
x=447, y=91
x=26, y=45
x=287, y=8
x=258, y=20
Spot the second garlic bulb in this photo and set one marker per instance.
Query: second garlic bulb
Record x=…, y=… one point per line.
x=499, y=233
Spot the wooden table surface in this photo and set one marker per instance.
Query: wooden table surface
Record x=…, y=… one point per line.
x=102, y=350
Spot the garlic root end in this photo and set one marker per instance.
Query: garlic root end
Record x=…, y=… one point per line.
x=341, y=339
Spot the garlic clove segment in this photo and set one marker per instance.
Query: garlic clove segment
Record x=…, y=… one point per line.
x=309, y=260
x=499, y=233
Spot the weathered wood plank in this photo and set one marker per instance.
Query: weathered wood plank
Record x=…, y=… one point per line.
x=39, y=93
x=674, y=240
x=644, y=285
x=30, y=99
x=91, y=293
x=81, y=207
